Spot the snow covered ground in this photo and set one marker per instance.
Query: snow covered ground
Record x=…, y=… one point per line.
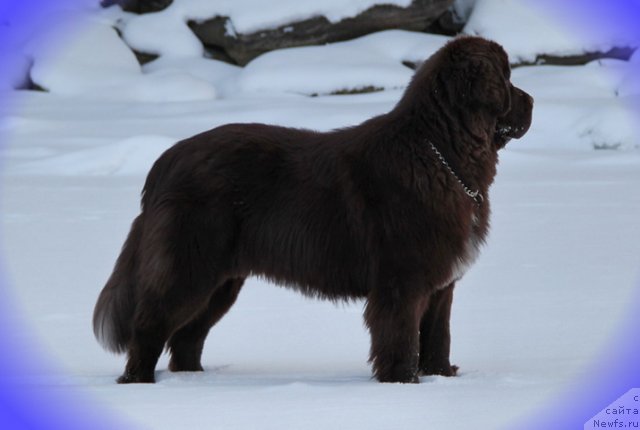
x=552, y=286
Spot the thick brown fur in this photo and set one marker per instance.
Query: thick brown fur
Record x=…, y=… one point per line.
x=365, y=212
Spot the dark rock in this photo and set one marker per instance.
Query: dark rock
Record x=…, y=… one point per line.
x=450, y=23
x=215, y=32
x=413, y=65
x=350, y=91
x=618, y=53
x=144, y=57
x=138, y=6
x=32, y=86
x=215, y=53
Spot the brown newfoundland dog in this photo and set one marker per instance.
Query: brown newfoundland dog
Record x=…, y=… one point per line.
x=393, y=211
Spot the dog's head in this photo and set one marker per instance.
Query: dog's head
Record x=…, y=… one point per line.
x=475, y=74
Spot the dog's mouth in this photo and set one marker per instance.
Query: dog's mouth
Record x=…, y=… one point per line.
x=516, y=122
x=505, y=132
x=502, y=135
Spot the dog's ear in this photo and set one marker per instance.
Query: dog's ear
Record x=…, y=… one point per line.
x=489, y=85
x=476, y=80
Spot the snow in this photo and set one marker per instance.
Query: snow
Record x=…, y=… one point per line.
x=551, y=287
x=162, y=33
x=595, y=111
x=111, y=73
x=15, y=76
x=462, y=9
x=342, y=66
x=166, y=32
x=527, y=28
x=220, y=75
x=126, y=157
x=245, y=19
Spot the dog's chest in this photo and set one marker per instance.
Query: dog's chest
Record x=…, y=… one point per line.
x=468, y=256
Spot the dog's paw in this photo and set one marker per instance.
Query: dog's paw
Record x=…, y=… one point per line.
x=398, y=375
x=130, y=378
x=440, y=370
x=404, y=380
x=174, y=367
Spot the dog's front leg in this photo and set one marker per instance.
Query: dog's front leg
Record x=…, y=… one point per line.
x=435, y=337
x=393, y=323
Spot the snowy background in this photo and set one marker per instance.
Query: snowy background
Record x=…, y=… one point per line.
x=529, y=320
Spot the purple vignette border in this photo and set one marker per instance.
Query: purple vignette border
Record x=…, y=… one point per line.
x=27, y=406
x=26, y=400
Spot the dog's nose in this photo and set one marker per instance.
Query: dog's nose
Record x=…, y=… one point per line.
x=527, y=96
x=529, y=99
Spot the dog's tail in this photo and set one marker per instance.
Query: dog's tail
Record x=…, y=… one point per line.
x=116, y=304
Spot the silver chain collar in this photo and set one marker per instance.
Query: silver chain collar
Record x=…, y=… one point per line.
x=475, y=195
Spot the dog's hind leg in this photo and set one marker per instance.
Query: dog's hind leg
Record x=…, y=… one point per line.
x=155, y=277
x=157, y=317
x=147, y=342
x=185, y=247
x=186, y=344
x=435, y=337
